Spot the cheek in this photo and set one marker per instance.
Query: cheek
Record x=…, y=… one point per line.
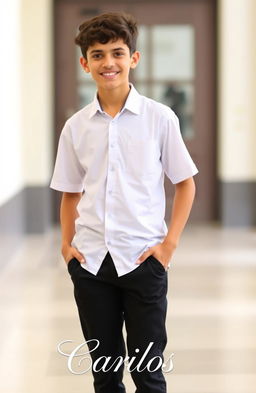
x=126, y=67
x=93, y=71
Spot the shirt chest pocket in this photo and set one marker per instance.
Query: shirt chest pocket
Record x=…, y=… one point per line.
x=141, y=157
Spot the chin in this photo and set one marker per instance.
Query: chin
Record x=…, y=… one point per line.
x=111, y=86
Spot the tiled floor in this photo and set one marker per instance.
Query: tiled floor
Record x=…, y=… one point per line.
x=211, y=316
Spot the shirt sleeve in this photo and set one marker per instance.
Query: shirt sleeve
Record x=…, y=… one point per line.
x=176, y=160
x=68, y=174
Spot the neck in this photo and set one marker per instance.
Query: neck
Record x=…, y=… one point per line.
x=112, y=101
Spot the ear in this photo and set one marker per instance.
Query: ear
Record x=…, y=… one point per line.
x=84, y=64
x=135, y=59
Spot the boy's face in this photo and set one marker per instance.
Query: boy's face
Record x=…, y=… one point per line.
x=109, y=64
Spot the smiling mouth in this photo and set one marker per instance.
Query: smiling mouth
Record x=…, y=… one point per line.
x=109, y=75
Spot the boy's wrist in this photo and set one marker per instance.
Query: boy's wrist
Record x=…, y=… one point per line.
x=65, y=245
x=171, y=242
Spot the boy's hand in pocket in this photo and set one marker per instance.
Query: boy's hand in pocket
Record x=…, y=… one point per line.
x=69, y=252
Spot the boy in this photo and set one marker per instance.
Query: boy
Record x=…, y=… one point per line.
x=110, y=166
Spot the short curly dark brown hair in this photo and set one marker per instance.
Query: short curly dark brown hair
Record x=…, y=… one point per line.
x=108, y=27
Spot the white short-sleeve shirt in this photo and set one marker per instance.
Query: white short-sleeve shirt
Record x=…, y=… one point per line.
x=120, y=164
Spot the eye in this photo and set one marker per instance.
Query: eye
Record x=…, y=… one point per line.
x=96, y=56
x=118, y=54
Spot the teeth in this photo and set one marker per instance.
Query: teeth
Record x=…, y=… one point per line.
x=109, y=73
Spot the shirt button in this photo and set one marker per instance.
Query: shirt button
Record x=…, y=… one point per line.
x=112, y=168
x=110, y=192
x=109, y=243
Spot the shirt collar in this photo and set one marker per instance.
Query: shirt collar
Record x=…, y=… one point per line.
x=132, y=103
x=95, y=107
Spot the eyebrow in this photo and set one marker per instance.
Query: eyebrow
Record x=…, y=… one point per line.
x=100, y=50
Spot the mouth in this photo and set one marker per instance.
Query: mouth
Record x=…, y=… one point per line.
x=109, y=75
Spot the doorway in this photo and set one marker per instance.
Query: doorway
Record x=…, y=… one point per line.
x=177, y=40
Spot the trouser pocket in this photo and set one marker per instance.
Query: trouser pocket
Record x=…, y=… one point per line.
x=158, y=264
x=71, y=265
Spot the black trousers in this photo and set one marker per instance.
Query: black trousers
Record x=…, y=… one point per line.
x=138, y=299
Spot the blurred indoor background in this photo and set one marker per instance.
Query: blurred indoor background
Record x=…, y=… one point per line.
x=198, y=57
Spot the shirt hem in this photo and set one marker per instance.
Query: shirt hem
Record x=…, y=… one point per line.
x=65, y=187
x=185, y=176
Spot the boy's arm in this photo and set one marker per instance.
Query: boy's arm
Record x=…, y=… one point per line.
x=182, y=204
x=68, y=215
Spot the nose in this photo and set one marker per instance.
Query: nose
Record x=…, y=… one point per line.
x=108, y=61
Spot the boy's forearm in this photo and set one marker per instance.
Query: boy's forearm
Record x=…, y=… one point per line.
x=182, y=204
x=68, y=215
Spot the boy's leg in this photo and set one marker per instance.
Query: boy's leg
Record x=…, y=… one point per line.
x=145, y=306
x=101, y=315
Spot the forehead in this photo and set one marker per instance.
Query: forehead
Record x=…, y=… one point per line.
x=109, y=46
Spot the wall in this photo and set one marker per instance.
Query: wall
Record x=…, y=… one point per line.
x=11, y=163
x=237, y=115
x=37, y=90
x=26, y=98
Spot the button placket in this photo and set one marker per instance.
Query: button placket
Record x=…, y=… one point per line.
x=111, y=180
